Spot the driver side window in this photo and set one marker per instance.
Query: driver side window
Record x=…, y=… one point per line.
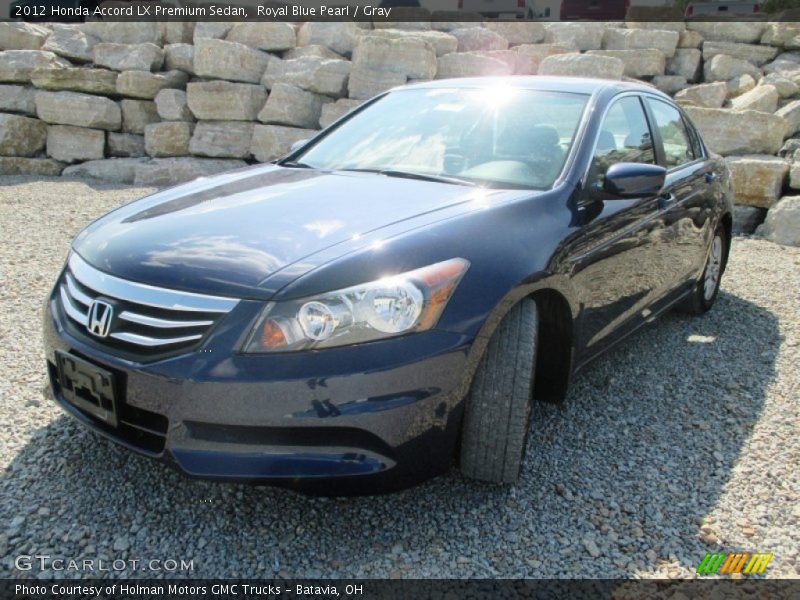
x=624, y=137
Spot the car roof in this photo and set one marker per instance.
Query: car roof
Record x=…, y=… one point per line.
x=578, y=85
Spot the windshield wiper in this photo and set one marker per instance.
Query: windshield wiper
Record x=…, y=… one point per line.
x=412, y=175
x=295, y=164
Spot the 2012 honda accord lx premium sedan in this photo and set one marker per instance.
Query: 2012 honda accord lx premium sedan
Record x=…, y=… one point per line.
x=389, y=298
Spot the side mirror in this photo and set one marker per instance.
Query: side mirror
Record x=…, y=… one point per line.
x=297, y=145
x=634, y=180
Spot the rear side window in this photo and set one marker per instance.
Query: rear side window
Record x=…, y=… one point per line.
x=678, y=148
x=624, y=137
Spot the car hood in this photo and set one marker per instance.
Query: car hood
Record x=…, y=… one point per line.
x=229, y=234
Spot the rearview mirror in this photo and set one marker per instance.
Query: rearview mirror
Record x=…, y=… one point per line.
x=297, y=145
x=634, y=180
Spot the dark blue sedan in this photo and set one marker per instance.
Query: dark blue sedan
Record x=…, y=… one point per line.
x=390, y=298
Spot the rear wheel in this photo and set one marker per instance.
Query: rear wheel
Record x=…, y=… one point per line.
x=707, y=287
x=498, y=405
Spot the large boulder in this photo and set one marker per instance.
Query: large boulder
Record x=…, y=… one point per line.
x=178, y=32
x=764, y=98
x=783, y=35
x=273, y=37
x=475, y=38
x=530, y=56
x=272, y=141
x=170, y=138
x=468, y=64
x=92, y=81
x=319, y=75
x=739, y=85
x=72, y=43
x=21, y=136
x=575, y=36
x=224, y=100
x=685, y=63
x=229, y=60
x=530, y=32
x=332, y=111
x=757, y=180
x=382, y=63
x=638, y=63
x=81, y=110
x=16, y=66
x=707, y=95
x=782, y=224
x=729, y=31
x=794, y=176
x=641, y=39
x=173, y=105
x=340, y=37
x=223, y=139
x=145, y=85
x=125, y=144
x=670, y=84
x=115, y=170
x=790, y=113
x=22, y=36
x=179, y=57
x=729, y=132
x=290, y=105
x=16, y=165
x=319, y=51
x=170, y=171
x=17, y=99
x=125, y=32
x=137, y=114
x=754, y=53
x=723, y=67
x=747, y=218
x=216, y=30
x=582, y=65
x=443, y=43
x=785, y=87
x=129, y=57
x=69, y=144
x=365, y=83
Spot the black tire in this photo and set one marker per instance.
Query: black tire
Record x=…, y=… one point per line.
x=498, y=405
x=700, y=302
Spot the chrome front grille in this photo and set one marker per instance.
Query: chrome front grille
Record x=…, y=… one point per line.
x=144, y=320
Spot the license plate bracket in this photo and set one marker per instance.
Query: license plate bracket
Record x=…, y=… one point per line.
x=87, y=386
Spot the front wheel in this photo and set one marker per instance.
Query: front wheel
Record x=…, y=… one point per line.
x=498, y=405
x=707, y=287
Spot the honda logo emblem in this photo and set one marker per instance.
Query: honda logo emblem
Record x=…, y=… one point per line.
x=99, y=321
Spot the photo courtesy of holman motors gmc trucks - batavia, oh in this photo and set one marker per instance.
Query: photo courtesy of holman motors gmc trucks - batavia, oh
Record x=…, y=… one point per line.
x=389, y=299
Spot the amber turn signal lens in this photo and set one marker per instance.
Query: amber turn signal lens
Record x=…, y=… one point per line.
x=272, y=335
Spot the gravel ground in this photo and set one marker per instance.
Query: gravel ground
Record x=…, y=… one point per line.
x=683, y=440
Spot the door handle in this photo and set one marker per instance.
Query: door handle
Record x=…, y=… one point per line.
x=666, y=200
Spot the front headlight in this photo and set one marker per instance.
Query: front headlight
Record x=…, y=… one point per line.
x=388, y=307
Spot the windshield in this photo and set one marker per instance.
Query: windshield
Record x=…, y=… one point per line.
x=498, y=136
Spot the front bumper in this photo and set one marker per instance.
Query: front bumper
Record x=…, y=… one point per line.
x=359, y=419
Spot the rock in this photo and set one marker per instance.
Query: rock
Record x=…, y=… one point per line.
x=530, y=56
x=129, y=57
x=575, y=36
x=785, y=87
x=753, y=53
x=641, y=39
x=466, y=65
x=365, y=83
x=121, y=544
x=272, y=141
x=763, y=98
x=591, y=547
x=723, y=67
x=407, y=56
x=70, y=144
x=747, y=218
x=81, y=110
x=170, y=171
x=757, y=180
x=443, y=43
x=510, y=57
x=172, y=105
x=638, y=63
x=290, y=105
x=582, y=65
x=125, y=32
x=339, y=37
x=178, y=32
x=223, y=100
x=782, y=224
x=475, y=38
x=314, y=50
x=21, y=136
x=15, y=165
x=669, y=84
x=729, y=31
x=137, y=114
x=273, y=37
x=690, y=39
x=530, y=32
x=783, y=35
x=319, y=75
x=125, y=144
x=18, y=99
x=170, y=138
x=22, y=36
x=73, y=44
x=723, y=132
x=789, y=148
x=741, y=84
x=229, y=60
x=115, y=170
x=179, y=57
x=145, y=85
x=791, y=116
x=333, y=111
x=685, y=63
x=79, y=79
x=211, y=29
x=708, y=95
x=16, y=66
x=224, y=139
